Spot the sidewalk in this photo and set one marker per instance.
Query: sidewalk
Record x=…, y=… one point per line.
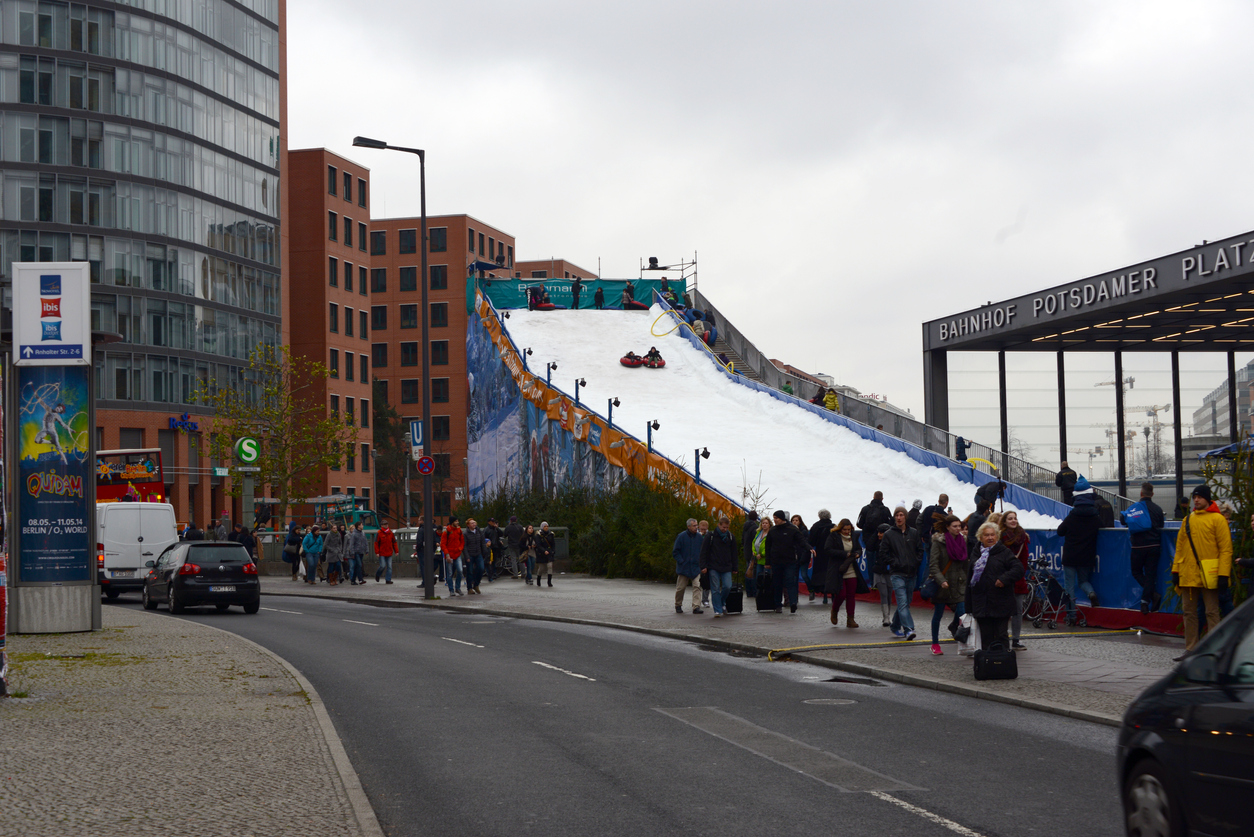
x=1089, y=674
x=159, y=726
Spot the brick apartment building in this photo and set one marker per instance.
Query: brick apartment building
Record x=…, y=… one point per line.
x=550, y=269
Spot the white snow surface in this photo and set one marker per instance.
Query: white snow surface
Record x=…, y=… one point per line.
x=801, y=462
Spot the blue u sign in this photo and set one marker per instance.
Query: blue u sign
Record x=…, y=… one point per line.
x=415, y=433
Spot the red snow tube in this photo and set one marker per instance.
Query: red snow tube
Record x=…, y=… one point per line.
x=635, y=306
x=545, y=306
x=631, y=363
x=655, y=364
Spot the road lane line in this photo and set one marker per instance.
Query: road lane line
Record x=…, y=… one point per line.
x=564, y=671
x=926, y=814
x=276, y=610
x=820, y=765
x=355, y=622
x=461, y=642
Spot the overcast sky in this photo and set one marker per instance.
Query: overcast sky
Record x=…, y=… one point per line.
x=845, y=171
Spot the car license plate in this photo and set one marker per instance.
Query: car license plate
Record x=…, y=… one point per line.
x=122, y=573
x=222, y=589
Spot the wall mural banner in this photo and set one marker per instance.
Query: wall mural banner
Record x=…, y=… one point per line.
x=512, y=293
x=54, y=475
x=553, y=426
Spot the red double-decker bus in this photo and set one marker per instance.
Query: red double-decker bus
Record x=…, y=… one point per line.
x=134, y=473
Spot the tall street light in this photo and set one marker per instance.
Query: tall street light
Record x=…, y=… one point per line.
x=428, y=502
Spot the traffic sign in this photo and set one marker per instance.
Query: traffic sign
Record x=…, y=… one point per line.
x=415, y=433
x=426, y=466
x=247, y=449
x=51, y=314
x=248, y=468
x=221, y=472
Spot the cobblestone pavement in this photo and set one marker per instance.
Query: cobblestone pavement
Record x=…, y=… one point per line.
x=159, y=726
x=1096, y=673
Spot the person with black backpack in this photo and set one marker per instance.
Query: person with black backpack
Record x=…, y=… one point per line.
x=874, y=515
x=1145, y=521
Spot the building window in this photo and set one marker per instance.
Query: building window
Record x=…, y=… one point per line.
x=348, y=232
x=348, y=321
x=365, y=449
x=409, y=354
x=379, y=280
x=335, y=405
x=440, y=428
x=409, y=316
x=379, y=243
x=361, y=192
x=348, y=187
x=333, y=272
x=331, y=179
x=333, y=226
x=510, y=257
x=381, y=391
x=439, y=353
x=491, y=246
x=439, y=239
x=348, y=366
x=378, y=318
x=335, y=318
x=361, y=279
x=439, y=314
x=348, y=276
x=365, y=406
x=470, y=239
x=539, y=274
x=443, y=465
x=379, y=355
x=481, y=244
x=361, y=237
x=443, y=505
x=407, y=241
x=364, y=328
x=409, y=391
x=365, y=368
x=352, y=460
x=439, y=277
x=350, y=411
x=407, y=278
x=335, y=363
x=439, y=390
x=500, y=252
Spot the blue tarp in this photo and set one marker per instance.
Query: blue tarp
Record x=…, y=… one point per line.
x=512, y=293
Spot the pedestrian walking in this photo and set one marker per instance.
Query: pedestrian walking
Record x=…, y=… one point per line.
x=718, y=562
x=1079, y=546
x=546, y=549
x=452, y=543
x=761, y=570
x=1203, y=564
x=948, y=567
x=576, y=287
x=385, y=547
x=476, y=547
x=312, y=546
x=805, y=555
x=912, y=516
x=598, y=298
x=529, y=550
x=785, y=543
x=747, y=533
x=932, y=520
x=1019, y=542
x=1145, y=521
x=1065, y=480
x=291, y=548
x=990, y=592
x=687, y=555
x=899, y=557
x=817, y=581
x=514, y=535
x=356, y=549
x=492, y=535
x=703, y=528
x=841, y=552
x=874, y=515
x=333, y=552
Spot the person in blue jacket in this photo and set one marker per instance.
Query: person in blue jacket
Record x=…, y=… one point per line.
x=313, y=553
x=687, y=553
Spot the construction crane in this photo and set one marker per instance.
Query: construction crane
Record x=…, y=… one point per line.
x=1127, y=383
x=1089, y=452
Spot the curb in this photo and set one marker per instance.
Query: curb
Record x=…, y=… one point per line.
x=367, y=822
x=856, y=668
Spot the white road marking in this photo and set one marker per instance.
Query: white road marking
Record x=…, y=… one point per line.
x=276, y=610
x=355, y=622
x=461, y=642
x=564, y=671
x=926, y=814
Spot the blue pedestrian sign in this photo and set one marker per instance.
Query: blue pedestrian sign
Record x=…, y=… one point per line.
x=415, y=436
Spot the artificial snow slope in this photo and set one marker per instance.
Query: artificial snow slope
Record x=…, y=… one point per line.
x=801, y=462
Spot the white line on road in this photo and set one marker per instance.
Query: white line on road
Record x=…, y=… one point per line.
x=926, y=814
x=355, y=622
x=564, y=671
x=276, y=610
x=461, y=642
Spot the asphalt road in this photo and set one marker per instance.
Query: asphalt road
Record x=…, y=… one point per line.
x=462, y=724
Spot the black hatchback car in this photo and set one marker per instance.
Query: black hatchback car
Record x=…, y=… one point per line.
x=219, y=573
x=1186, y=749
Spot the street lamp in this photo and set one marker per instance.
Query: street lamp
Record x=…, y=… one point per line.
x=549, y=370
x=609, y=417
x=524, y=354
x=697, y=456
x=650, y=427
x=428, y=502
x=579, y=382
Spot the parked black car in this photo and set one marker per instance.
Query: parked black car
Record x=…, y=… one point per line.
x=220, y=573
x=1186, y=749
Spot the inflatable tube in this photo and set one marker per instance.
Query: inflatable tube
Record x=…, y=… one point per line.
x=655, y=364
x=630, y=363
x=545, y=306
x=635, y=306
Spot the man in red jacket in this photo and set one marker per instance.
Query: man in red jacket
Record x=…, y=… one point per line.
x=384, y=549
x=452, y=542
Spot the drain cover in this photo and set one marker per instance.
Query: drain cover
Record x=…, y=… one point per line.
x=829, y=702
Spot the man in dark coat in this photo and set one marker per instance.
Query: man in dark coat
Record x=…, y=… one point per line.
x=784, y=542
x=747, y=535
x=1079, y=546
x=982, y=510
x=576, y=288
x=1066, y=480
x=492, y=535
x=687, y=555
x=873, y=515
x=719, y=559
x=1146, y=547
x=900, y=555
x=928, y=519
x=1105, y=511
x=991, y=492
x=818, y=541
x=514, y=534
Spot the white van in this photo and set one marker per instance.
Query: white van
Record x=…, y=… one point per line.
x=128, y=535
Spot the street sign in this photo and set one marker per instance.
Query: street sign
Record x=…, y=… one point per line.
x=51, y=314
x=247, y=468
x=415, y=433
x=247, y=450
x=426, y=466
x=221, y=472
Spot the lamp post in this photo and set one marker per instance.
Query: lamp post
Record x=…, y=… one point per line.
x=697, y=456
x=428, y=502
x=548, y=372
x=579, y=382
x=609, y=412
x=649, y=428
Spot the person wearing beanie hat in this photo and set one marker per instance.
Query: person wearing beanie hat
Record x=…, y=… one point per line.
x=1203, y=564
x=1079, y=546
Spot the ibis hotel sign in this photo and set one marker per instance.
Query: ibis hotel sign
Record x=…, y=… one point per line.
x=51, y=314
x=1211, y=264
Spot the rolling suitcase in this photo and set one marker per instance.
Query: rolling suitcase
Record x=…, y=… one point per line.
x=996, y=663
x=766, y=591
x=734, y=600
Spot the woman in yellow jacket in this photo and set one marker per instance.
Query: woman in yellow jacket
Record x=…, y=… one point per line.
x=1203, y=564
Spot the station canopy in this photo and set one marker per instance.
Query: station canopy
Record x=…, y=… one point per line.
x=1201, y=299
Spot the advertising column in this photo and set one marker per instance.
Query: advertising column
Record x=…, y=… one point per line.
x=52, y=575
